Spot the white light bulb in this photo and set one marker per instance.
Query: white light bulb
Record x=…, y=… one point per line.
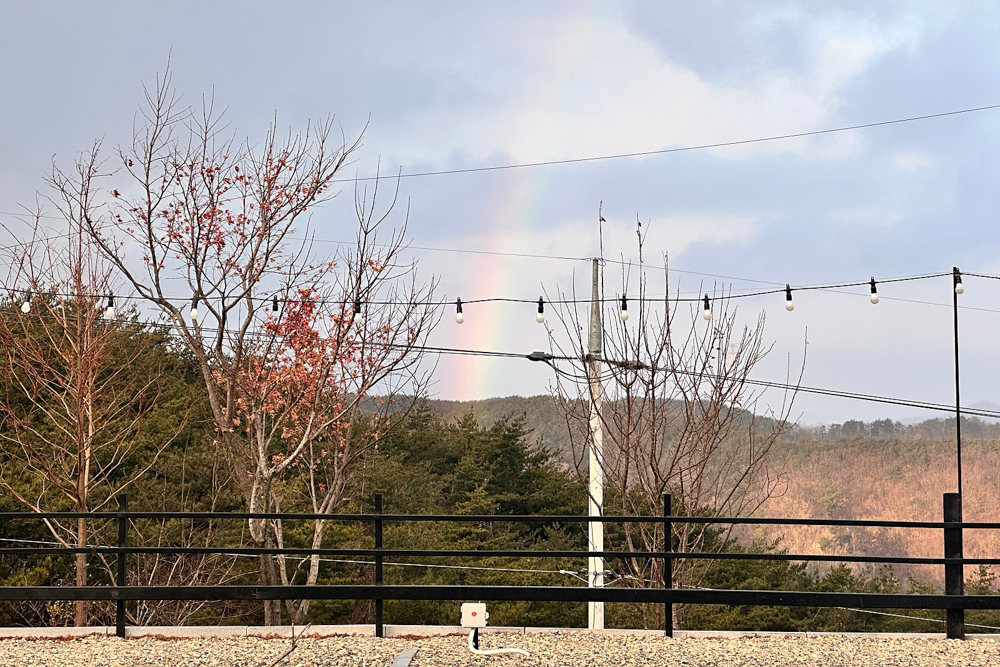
x=874, y=298
x=26, y=307
x=540, y=318
x=109, y=312
x=707, y=315
x=194, y=313
x=459, y=318
x=624, y=315
x=358, y=317
x=789, y=306
x=959, y=288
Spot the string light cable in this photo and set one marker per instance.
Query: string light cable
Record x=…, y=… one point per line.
x=270, y=299
x=731, y=294
x=555, y=257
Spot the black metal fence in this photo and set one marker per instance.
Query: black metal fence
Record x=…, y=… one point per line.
x=953, y=601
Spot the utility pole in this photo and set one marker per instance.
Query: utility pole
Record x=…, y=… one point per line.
x=595, y=531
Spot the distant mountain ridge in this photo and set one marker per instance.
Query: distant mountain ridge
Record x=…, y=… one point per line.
x=548, y=428
x=883, y=469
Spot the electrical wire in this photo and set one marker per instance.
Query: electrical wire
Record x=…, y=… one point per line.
x=348, y=561
x=549, y=359
x=638, y=366
x=680, y=149
x=631, y=365
x=661, y=151
x=872, y=611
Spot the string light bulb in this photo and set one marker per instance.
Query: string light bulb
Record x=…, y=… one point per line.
x=959, y=287
x=624, y=311
x=274, y=304
x=708, y=309
x=459, y=317
x=358, y=317
x=26, y=304
x=789, y=306
x=109, y=312
x=540, y=317
x=874, y=296
x=194, y=308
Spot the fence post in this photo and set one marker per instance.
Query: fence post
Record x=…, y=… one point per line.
x=668, y=568
x=120, y=579
x=954, y=575
x=379, y=628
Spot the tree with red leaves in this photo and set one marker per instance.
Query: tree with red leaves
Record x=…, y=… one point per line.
x=298, y=385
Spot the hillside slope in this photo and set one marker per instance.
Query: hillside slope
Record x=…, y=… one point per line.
x=854, y=470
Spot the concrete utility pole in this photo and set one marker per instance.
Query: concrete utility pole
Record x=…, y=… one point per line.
x=595, y=532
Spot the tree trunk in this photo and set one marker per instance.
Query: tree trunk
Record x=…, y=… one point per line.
x=299, y=609
x=269, y=577
x=81, y=606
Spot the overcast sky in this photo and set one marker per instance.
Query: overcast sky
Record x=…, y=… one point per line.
x=446, y=85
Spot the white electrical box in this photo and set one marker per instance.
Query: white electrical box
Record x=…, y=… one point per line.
x=474, y=615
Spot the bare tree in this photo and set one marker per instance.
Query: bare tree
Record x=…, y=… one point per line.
x=185, y=569
x=291, y=346
x=678, y=417
x=74, y=399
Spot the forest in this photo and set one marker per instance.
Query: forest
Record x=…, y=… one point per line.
x=442, y=458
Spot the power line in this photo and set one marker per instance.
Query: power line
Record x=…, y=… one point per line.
x=874, y=398
x=661, y=151
x=636, y=365
x=664, y=151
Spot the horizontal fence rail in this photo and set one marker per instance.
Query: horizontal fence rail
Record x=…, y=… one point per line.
x=954, y=601
x=485, y=553
x=505, y=593
x=501, y=518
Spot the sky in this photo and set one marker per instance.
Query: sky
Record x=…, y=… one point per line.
x=455, y=85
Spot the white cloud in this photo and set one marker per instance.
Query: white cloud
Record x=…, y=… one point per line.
x=594, y=87
x=867, y=215
x=911, y=161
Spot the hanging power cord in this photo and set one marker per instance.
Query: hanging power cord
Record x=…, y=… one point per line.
x=474, y=641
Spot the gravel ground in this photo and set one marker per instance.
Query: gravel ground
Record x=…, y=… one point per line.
x=569, y=650
x=102, y=651
x=574, y=650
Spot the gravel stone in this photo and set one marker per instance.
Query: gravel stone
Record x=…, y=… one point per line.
x=548, y=650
